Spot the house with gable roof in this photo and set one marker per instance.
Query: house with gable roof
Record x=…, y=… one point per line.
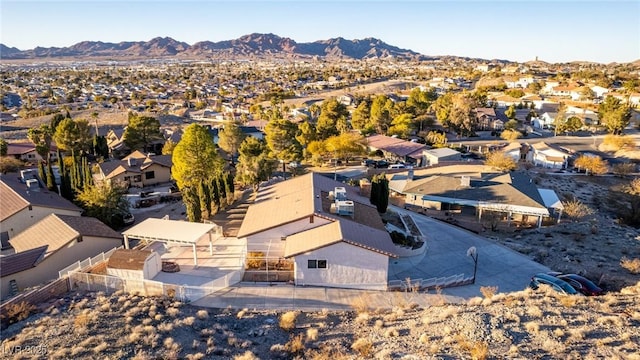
x=304, y=225
x=50, y=245
x=136, y=169
x=24, y=200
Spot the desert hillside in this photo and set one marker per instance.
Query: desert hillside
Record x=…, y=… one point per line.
x=521, y=325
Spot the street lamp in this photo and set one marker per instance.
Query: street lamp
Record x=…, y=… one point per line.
x=473, y=252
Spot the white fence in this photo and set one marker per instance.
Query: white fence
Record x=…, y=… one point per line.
x=429, y=284
x=88, y=262
x=110, y=284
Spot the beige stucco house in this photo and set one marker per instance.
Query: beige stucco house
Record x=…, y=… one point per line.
x=25, y=201
x=325, y=231
x=58, y=241
x=136, y=169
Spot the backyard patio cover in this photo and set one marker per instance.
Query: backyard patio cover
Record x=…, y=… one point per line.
x=171, y=231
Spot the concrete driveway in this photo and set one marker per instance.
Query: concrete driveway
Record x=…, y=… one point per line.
x=446, y=255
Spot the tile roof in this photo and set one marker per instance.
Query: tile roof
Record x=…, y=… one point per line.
x=14, y=197
x=306, y=196
x=128, y=259
x=334, y=232
x=21, y=261
x=393, y=145
x=515, y=188
x=56, y=231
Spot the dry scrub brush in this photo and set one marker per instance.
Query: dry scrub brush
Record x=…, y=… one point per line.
x=631, y=265
x=288, y=320
x=362, y=346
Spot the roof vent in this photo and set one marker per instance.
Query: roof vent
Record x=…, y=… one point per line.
x=27, y=175
x=33, y=185
x=465, y=181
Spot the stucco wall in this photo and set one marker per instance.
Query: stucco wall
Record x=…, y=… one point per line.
x=48, y=268
x=21, y=220
x=162, y=175
x=271, y=239
x=348, y=266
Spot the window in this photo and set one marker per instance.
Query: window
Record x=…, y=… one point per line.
x=150, y=175
x=137, y=178
x=316, y=264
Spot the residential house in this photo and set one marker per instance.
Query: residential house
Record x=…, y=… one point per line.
x=472, y=189
x=115, y=142
x=599, y=91
x=52, y=244
x=24, y=201
x=26, y=151
x=326, y=231
x=396, y=148
x=252, y=131
x=436, y=156
x=487, y=119
x=10, y=99
x=544, y=121
x=137, y=169
x=539, y=154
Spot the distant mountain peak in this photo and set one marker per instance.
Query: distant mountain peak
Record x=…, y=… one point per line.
x=254, y=44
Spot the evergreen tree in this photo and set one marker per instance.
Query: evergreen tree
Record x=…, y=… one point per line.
x=205, y=199
x=375, y=190
x=223, y=191
x=65, y=181
x=215, y=195
x=192, y=203
x=41, y=171
x=51, y=179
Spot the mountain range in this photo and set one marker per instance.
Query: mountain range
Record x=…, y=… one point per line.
x=246, y=46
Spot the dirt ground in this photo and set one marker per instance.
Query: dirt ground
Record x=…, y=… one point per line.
x=592, y=247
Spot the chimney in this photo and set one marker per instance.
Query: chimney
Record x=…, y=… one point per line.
x=410, y=173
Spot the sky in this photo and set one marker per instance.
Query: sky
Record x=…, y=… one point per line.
x=553, y=31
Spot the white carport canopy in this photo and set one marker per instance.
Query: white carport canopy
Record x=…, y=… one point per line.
x=171, y=231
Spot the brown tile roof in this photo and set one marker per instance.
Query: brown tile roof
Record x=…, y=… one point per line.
x=305, y=196
x=14, y=197
x=56, y=231
x=11, y=202
x=21, y=261
x=513, y=188
x=337, y=231
x=128, y=259
x=89, y=226
x=393, y=145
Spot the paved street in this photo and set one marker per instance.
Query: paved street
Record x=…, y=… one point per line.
x=446, y=255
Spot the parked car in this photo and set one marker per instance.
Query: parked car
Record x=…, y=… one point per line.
x=396, y=166
x=381, y=164
x=556, y=284
x=368, y=163
x=122, y=219
x=580, y=283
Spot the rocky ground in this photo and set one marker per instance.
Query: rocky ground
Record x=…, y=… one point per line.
x=593, y=246
x=521, y=325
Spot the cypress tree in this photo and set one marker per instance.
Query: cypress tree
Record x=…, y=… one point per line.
x=215, y=194
x=86, y=171
x=223, y=191
x=41, y=172
x=51, y=179
x=192, y=204
x=65, y=182
x=383, y=196
x=204, y=193
x=375, y=190
x=228, y=188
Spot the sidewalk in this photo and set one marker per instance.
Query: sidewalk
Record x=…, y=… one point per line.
x=289, y=297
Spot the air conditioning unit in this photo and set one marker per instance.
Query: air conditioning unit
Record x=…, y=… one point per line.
x=340, y=193
x=345, y=207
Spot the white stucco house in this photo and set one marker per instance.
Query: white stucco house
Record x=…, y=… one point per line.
x=436, y=156
x=325, y=231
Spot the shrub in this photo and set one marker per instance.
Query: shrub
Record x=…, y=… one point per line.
x=256, y=260
x=248, y=355
x=312, y=334
x=295, y=344
x=361, y=303
x=500, y=161
x=288, y=320
x=623, y=169
x=576, y=210
x=488, y=291
x=202, y=314
x=17, y=312
x=631, y=265
x=617, y=142
x=363, y=347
